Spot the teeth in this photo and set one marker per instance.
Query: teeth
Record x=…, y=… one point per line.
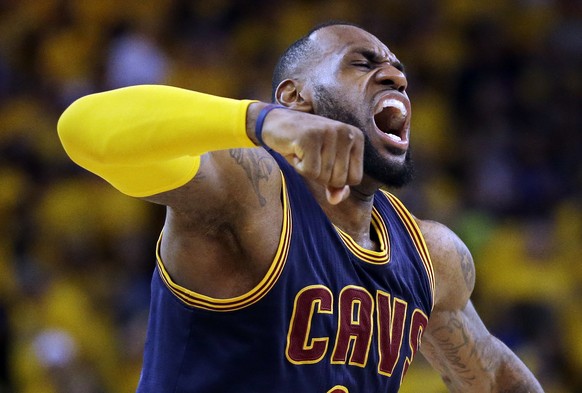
x=394, y=137
x=391, y=102
x=391, y=118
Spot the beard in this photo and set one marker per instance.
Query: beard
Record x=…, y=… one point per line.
x=379, y=168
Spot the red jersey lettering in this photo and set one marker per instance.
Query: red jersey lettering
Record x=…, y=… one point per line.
x=356, y=310
x=301, y=348
x=391, y=317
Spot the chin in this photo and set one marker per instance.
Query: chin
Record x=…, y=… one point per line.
x=393, y=172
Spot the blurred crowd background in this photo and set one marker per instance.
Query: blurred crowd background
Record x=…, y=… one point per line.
x=496, y=88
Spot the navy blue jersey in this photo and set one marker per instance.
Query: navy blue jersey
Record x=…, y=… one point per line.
x=329, y=315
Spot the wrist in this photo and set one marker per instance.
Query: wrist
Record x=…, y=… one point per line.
x=253, y=111
x=256, y=115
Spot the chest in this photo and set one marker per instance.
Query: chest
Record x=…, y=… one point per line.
x=351, y=306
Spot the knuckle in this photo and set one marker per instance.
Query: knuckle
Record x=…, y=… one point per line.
x=328, y=167
x=353, y=135
x=358, y=135
x=339, y=181
x=309, y=171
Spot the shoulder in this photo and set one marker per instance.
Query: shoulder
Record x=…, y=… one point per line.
x=452, y=262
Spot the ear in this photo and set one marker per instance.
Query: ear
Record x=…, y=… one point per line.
x=292, y=94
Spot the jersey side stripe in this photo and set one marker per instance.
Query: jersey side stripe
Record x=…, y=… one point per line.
x=413, y=227
x=415, y=233
x=420, y=244
x=197, y=300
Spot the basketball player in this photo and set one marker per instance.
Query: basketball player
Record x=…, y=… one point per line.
x=282, y=265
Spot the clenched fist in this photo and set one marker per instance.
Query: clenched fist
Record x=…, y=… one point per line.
x=327, y=151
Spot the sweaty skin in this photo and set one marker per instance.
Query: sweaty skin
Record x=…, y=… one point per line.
x=456, y=342
x=230, y=214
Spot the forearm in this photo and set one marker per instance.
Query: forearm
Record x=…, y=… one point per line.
x=485, y=366
x=511, y=374
x=470, y=359
x=160, y=129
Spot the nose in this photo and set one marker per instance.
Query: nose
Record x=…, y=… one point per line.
x=388, y=75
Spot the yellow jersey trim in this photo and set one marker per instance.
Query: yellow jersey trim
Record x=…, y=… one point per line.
x=381, y=257
x=197, y=300
x=417, y=238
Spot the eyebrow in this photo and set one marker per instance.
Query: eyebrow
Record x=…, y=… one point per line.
x=375, y=57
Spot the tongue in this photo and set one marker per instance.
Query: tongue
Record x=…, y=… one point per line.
x=390, y=120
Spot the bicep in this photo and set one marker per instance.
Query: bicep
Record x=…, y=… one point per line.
x=227, y=179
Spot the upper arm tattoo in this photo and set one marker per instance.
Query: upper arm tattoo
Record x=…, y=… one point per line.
x=257, y=167
x=467, y=265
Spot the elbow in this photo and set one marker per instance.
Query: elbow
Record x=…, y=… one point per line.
x=78, y=134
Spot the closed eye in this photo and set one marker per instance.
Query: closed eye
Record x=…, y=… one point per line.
x=363, y=64
x=368, y=59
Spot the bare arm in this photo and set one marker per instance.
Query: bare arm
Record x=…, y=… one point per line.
x=196, y=154
x=457, y=343
x=148, y=140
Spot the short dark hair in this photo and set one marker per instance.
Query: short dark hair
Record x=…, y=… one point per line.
x=298, y=53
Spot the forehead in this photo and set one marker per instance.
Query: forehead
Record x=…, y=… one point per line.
x=345, y=39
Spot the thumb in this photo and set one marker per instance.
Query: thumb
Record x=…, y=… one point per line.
x=336, y=195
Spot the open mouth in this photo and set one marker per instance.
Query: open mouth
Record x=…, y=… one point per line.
x=391, y=119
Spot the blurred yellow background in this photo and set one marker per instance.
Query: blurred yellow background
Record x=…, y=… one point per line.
x=496, y=90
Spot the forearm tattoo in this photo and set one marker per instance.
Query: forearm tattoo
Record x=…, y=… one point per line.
x=453, y=343
x=257, y=168
x=470, y=364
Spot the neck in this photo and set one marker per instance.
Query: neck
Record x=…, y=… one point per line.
x=354, y=215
